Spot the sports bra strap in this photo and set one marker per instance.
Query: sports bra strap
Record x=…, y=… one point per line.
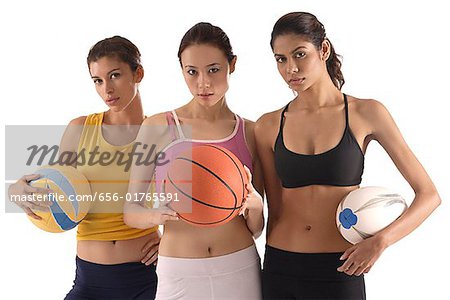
x=346, y=111
x=177, y=122
x=171, y=124
x=282, y=117
x=286, y=107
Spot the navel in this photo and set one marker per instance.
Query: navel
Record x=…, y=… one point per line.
x=308, y=227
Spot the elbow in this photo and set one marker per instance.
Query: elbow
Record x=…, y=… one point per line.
x=127, y=219
x=436, y=199
x=131, y=221
x=430, y=196
x=433, y=198
x=134, y=216
x=257, y=233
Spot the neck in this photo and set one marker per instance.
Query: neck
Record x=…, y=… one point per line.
x=322, y=93
x=133, y=114
x=220, y=110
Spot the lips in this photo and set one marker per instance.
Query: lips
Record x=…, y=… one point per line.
x=205, y=95
x=296, y=80
x=112, y=101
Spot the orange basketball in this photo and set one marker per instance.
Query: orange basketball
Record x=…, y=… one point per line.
x=209, y=183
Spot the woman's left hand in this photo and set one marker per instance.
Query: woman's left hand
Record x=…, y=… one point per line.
x=361, y=257
x=253, y=201
x=150, y=251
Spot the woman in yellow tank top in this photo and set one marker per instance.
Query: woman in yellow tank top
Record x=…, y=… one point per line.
x=113, y=260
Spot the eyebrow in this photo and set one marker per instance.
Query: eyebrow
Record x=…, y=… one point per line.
x=210, y=65
x=293, y=51
x=113, y=70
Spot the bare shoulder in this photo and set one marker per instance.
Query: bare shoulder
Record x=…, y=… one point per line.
x=71, y=137
x=156, y=119
x=78, y=121
x=266, y=128
x=366, y=107
x=249, y=125
x=269, y=120
x=75, y=127
x=155, y=130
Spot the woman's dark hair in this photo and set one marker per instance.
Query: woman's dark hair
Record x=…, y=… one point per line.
x=117, y=47
x=307, y=25
x=206, y=33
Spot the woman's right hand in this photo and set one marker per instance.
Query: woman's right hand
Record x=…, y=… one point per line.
x=22, y=194
x=139, y=216
x=160, y=215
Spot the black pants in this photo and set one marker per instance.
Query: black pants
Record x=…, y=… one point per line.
x=292, y=275
x=120, y=281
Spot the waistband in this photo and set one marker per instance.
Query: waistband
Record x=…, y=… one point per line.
x=311, y=266
x=197, y=267
x=113, y=276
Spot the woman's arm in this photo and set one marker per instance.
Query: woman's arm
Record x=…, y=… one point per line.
x=252, y=210
x=426, y=196
x=68, y=144
x=265, y=130
x=152, y=137
x=426, y=200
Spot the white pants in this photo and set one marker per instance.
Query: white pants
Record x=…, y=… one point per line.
x=231, y=276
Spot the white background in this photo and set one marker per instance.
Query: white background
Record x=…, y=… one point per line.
x=394, y=51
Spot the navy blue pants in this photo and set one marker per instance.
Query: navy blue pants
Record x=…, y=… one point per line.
x=292, y=275
x=132, y=280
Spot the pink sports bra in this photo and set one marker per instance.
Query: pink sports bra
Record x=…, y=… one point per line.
x=235, y=142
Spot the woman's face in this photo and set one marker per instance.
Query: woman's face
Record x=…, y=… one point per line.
x=114, y=81
x=206, y=71
x=299, y=62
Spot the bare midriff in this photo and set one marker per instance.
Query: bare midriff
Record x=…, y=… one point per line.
x=304, y=219
x=183, y=240
x=114, y=252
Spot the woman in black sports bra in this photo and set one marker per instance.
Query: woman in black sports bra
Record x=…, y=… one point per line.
x=312, y=152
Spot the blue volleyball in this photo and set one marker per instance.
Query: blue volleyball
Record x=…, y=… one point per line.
x=71, y=198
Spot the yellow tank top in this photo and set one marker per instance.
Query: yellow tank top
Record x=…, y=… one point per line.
x=109, y=185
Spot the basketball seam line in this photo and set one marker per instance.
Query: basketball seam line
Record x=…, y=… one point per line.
x=212, y=173
x=199, y=201
x=237, y=167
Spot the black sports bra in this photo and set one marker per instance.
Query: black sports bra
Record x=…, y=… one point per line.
x=342, y=165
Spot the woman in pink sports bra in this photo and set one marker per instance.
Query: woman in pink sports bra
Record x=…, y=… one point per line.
x=218, y=262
